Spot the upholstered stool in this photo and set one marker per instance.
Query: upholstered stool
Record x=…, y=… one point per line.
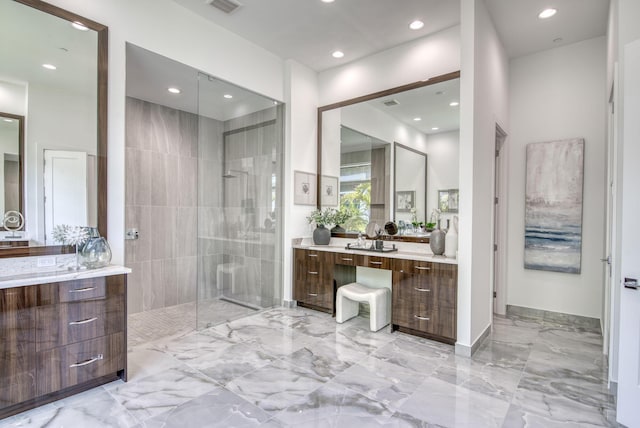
x=229, y=269
x=379, y=300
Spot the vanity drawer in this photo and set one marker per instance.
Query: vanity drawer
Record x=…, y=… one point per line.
x=73, y=322
x=375, y=262
x=83, y=289
x=74, y=364
x=439, y=322
x=412, y=266
x=345, y=259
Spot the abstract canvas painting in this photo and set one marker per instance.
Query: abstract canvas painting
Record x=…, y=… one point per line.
x=553, y=206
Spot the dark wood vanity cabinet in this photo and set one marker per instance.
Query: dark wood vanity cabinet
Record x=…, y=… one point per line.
x=424, y=299
x=58, y=339
x=313, y=281
x=17, y=345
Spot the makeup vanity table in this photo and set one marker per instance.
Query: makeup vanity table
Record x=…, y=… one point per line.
x=424, y=287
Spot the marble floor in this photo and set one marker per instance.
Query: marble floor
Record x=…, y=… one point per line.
x=298, y=368
x=181, y=319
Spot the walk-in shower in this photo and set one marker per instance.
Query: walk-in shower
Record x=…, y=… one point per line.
x=204, y=189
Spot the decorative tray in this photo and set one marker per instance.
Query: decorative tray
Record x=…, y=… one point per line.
x=372, y=249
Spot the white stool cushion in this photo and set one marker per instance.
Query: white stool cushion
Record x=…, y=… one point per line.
x=379, y=300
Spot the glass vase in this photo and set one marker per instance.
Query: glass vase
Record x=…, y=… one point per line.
x=96, y=252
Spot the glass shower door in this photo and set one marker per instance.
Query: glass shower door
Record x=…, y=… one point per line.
x=240, y=146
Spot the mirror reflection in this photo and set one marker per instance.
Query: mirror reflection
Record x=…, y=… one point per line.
x=377, y=150
x=49, y=75
x=10, y=162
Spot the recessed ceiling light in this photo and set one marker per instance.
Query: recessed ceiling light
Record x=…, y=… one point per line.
x=174, y=90
x=417, y=119
x=328, y=1
x=79, y=26
x=454, y=103
x=547, y=13
x=275, y=103
x=49, y=66
x=435, y=128
x=337, y=54
x=416, y=25
x=8, y=120
x=228, y=96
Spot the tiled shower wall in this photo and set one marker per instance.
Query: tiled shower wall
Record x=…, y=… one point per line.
x=189, y=218
x=161, y=201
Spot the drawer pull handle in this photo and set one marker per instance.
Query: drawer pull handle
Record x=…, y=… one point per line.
x=87, y=362
x=82, y=290
x=347, y=260
x=422, y=268
x=313, y=273
x=87, y=321
x=313, y=255
x=313, y=294
x=426, y=290
x=421, y=318
x=375, y=263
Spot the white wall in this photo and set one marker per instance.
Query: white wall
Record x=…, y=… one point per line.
x=13, y=97
x=483, y=103
x=417, y=60
x=56, y=120
x=168, y=29
x=302, y=102
x=443, y=150
x=558, y=94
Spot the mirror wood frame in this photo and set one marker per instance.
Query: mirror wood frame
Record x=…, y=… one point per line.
x=374, y=95
x=102, y=53
x=20, y=120
x=397, y=146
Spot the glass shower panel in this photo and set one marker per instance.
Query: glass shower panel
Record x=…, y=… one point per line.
x=240, y=147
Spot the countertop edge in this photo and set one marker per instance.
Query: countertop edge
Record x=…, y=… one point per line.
x=59, y=276
x=400, y=254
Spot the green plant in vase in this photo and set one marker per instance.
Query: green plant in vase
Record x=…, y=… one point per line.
x=321, y=218
x=340, y=217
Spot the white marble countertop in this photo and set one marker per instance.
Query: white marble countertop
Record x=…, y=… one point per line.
x=59, y=275
x=407, y=254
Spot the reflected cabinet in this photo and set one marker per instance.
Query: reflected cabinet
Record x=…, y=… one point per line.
x=58, y=339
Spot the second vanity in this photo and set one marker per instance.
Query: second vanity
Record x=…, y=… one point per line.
x=424, y=287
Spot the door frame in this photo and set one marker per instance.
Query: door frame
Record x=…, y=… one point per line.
x=499, y=267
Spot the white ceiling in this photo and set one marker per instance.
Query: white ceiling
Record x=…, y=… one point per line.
x=310, y=30
x=30, y=38
x=523, y=33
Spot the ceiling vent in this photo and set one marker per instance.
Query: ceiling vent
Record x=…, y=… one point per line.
x=226, y=6
x=391, y=103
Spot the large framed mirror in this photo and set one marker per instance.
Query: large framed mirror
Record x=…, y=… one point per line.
x=53, y=74
x=373, y=150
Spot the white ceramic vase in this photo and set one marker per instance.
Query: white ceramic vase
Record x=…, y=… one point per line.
x=451, y=240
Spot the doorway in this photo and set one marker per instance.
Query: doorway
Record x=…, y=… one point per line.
x=499, y=223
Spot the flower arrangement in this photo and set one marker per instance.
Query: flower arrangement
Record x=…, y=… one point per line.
x=71, y=235
x=322, y=217
x=341, y=216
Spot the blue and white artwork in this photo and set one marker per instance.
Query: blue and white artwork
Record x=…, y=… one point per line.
x=553, y=207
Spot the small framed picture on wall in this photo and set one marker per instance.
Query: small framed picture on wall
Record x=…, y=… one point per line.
x=405, y=200
x=448, y=200
x=304, y=192
x=330, y=191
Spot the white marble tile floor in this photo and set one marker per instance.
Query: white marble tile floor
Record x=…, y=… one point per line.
x=298, y=368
